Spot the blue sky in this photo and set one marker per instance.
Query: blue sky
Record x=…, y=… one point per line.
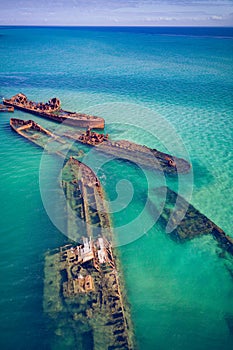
x=117, y=12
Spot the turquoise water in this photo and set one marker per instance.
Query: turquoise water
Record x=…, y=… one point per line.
x=156, y=79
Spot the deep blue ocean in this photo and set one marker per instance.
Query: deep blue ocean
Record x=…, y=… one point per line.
x=168, y=88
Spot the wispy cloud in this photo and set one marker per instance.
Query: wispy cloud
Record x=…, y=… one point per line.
x=117, y=12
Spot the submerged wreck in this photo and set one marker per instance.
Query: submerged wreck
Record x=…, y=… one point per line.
x=82, y=296
x=122, y=149
x=85, y=198
x=132, y=152
x=83, y=289
x=6, y=108
x=52, y=110
x=43, y=137
x=185, y=222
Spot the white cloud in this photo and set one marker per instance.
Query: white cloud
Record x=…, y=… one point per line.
x=117, y=12
x=216, y=18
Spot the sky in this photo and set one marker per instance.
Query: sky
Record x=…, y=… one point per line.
x=117, y=12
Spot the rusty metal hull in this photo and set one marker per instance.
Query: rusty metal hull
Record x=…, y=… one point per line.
x=135, y=153
x=6, y=108
x=81, y=120
x=43, y=138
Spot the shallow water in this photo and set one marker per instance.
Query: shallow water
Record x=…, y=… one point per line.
x=181, y=295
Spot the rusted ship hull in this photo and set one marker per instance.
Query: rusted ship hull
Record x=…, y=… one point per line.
x=54, y=112
x=142, y=155
x=185, y=222
x=135, y=153
x=6, y=109
x=43, y=138
x=82, y=282
x=79, y=121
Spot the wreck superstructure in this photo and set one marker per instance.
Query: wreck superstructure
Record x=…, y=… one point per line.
x=84, y=292
x=52, y=110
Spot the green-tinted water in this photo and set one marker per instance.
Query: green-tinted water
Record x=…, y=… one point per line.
x=181, y=295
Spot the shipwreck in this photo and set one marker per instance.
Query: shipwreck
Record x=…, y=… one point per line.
x=83, y=289
x=44, y=138
x=130, y=151
x=52, y=110
x=122, y=149
x=184, y=222
x=6, y=108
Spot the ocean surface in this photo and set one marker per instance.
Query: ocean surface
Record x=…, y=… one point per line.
x=168, y=88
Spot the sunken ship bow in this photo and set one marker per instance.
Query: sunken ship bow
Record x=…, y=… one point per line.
x=52, y=110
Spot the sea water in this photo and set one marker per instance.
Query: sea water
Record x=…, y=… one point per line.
x=168, y=88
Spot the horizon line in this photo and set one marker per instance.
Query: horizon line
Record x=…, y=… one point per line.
x=114, y=26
